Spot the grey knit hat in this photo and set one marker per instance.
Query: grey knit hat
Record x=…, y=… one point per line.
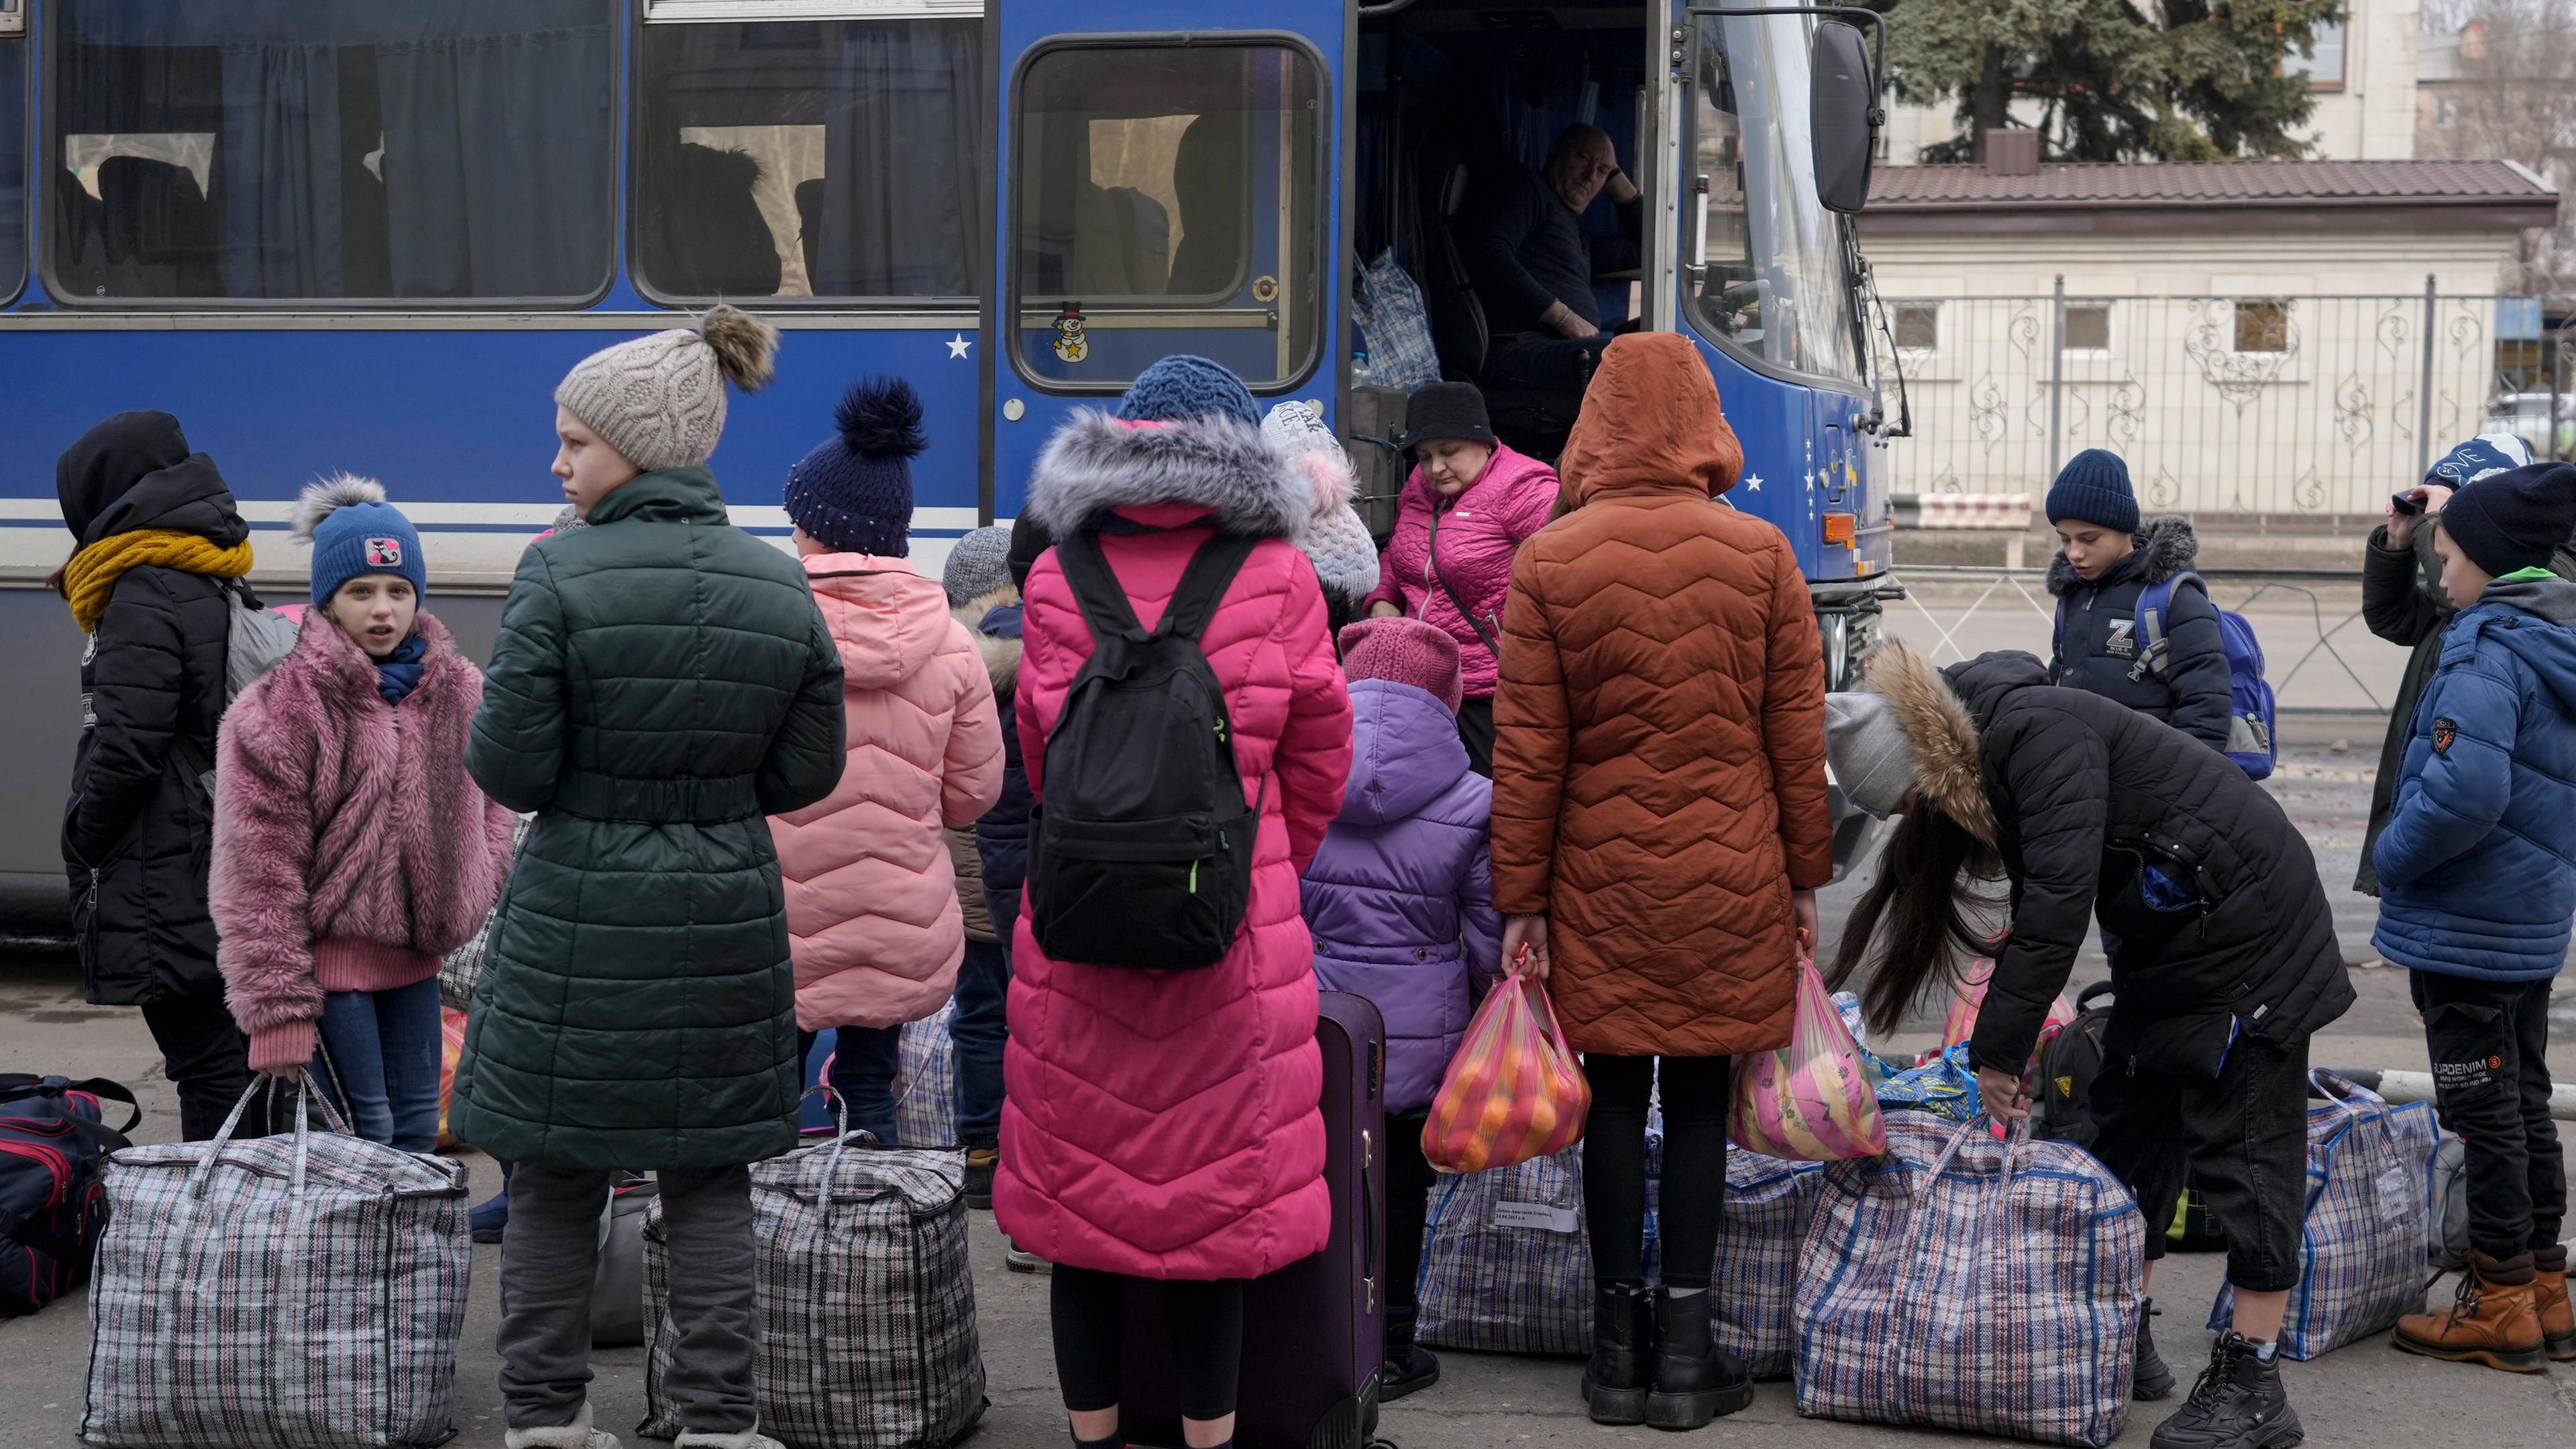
x=979, y=564
x=1873, y=759
x=1335, y=538
x=660, y=400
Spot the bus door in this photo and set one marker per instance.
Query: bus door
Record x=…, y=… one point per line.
x=1167, y=183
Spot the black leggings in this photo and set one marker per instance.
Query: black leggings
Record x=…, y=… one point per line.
x=1089, y=1311
x=1409, y=1180
x=1614, y=1166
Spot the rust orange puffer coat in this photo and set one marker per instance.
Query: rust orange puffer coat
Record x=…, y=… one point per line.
x=1659, y=763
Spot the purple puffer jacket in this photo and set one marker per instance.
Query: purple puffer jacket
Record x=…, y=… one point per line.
x=1400, y=896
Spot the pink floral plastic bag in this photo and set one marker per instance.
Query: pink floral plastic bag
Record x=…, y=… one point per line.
x=1961, y=1023
x=1811, y=1102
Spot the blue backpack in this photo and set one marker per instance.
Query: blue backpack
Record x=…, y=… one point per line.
x=2249, y=698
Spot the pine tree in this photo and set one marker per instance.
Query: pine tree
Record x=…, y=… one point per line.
x=2180, y=80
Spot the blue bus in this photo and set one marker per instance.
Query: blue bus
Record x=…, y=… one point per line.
x=372, y=237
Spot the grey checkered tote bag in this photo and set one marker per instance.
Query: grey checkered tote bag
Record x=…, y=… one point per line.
x=867, y=1303
x=292, y=1292
x=1770, y=1202
x=1960, y=1282
x=1506, y=1267
x=2361, y=1252
x=925, y=1106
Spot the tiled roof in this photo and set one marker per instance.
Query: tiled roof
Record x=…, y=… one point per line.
x=2207, y=183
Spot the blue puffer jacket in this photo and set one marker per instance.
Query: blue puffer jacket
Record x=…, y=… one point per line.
x=2096, y=650
x=2477, y=868
x=1002, y=835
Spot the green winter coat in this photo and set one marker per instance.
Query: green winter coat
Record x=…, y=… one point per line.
x=662, y=685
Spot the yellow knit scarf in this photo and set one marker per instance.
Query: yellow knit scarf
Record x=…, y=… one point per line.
x=91, y=576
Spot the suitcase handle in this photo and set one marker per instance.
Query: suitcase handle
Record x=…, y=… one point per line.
x=1368, y=1221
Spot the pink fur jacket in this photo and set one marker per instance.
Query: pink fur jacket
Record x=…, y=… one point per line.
x=351, y=848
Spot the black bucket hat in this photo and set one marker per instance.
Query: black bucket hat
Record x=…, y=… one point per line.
x=1446, y=410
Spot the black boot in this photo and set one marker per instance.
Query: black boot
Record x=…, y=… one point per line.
x=2238, y=1403
x=1614, y=1383
x=1409, y=1366
x=1695, y=1380
x=2152, y=1380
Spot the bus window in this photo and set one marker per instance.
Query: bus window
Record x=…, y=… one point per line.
x=442, y=149
x=1166, y=200
x=1765, y=256
x=13, y=166
x=839, y=158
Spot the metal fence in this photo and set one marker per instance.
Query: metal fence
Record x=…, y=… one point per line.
x=2247, y=405
x=2319, y=657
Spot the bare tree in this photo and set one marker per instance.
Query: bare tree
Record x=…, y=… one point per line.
x=2514, y=97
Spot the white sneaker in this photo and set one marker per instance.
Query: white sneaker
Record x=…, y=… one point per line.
x=576, y=1435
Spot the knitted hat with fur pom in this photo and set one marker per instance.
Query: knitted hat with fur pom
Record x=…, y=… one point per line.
x=660, y=400
x=853, y=493
x=354, y=531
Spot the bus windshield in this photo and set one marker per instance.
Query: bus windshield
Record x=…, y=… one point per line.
x=1762, y=258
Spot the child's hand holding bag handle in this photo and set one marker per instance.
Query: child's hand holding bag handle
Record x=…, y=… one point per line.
x=1515, y=1090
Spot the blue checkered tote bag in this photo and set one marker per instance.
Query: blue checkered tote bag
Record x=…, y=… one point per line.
x=2361, y=1251
x=1770, y=1203
x=925, y=1087
x=867, y=1302
x=1506, y=1267
x=1961, y=1282
x=1397, y=328
x=302, y=1291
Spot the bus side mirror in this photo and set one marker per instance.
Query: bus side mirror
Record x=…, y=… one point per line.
x=1842, y=115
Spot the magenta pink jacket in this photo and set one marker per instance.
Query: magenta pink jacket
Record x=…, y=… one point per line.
x=352, y=850
x=872, y=916
x=1167, y=1124
x=1480, y=530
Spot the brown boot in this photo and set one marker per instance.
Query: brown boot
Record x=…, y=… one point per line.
x=2494, y=1321
x=2549, y=1292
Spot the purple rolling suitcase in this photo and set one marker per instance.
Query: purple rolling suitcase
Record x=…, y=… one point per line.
x=1314, y=1333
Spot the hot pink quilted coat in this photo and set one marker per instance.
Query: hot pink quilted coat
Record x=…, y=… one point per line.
x=352, y=850
x=1480, y=530
x=872, y=915
x=1166, y=1124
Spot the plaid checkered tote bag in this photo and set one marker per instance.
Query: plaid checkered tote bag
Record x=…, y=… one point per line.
x=1770, y=1203
x=1505, y=1264
x=1961, y=1282
x=2361, y=1254
x=291, y=1292
x=925, y=1089
x=867, y=1303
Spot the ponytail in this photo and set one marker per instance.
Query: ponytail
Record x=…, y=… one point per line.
x=1932, y=878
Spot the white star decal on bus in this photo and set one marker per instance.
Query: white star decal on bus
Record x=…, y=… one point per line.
x=1753, y=481
x=958, y=344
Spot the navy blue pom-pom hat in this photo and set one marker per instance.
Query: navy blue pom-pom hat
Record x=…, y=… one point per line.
x=853, y=493
x=354, y=531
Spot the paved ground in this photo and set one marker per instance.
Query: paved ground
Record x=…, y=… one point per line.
x=2363, y=1395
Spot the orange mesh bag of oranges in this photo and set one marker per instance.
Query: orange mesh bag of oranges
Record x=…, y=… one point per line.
x=1514, y=1091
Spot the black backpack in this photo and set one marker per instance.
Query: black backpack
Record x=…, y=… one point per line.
x=54, y=1142
x=2067, y=1067
x=1141, y=853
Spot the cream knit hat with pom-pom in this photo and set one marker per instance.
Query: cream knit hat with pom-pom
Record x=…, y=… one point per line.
x=660, y=400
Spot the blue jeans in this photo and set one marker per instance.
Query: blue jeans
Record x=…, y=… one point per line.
x=1541, y=362
x=380, y=1049
x=865, y=1060
x=976, y=1031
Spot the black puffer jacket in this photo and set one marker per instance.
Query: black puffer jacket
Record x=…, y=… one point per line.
x=138, y=827
x=2097, y=643
x=2083, y=793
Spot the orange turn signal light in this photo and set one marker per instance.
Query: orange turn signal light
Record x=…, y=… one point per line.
x=1840, y=528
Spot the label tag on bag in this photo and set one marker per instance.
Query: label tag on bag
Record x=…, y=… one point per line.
x=2396, y=1190
x=1535, y=1216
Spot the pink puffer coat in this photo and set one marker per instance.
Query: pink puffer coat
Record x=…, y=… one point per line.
x=1480, y=530
x=351, y=848
x=1166, y=1124
x=872, y=917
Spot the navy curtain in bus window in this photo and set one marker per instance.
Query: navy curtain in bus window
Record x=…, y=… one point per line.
x=810, y=159
x=1165, y=202
x=1767, y=257
x=319, y=149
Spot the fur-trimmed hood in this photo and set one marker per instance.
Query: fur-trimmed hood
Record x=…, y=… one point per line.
x=2163, y=547
x=1226, y=469
x=1948, y=771
x=1001, y=652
